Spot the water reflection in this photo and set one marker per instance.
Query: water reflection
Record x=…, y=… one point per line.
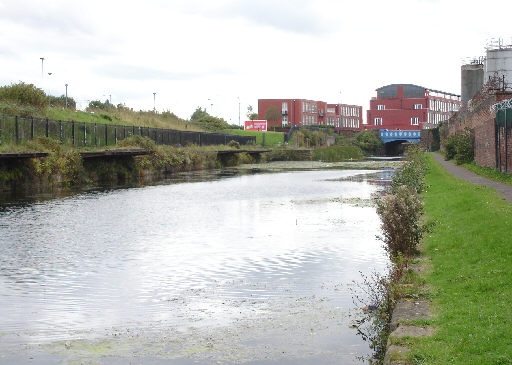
x=217, y=253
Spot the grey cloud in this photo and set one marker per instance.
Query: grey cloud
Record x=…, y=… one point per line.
x=60, y=17
x=131, y=72
x=296, y=16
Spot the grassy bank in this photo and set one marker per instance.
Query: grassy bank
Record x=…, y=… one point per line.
x=490, y=173
x=118, y=116
x=271, y=138
x=471, y=282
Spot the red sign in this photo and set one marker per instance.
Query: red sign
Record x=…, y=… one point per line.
x=256, y=125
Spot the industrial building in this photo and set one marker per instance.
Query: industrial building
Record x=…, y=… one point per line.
x=494, y=70
x=410, y=107
x=289, y=112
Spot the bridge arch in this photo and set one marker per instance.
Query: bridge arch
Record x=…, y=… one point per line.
x=396, y=140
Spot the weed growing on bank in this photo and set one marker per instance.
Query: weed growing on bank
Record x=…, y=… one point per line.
x=400, y=211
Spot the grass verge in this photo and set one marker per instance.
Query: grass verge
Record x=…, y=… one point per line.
x=471, y=282
x=490, y=173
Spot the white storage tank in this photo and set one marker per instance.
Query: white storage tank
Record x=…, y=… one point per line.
x=499, y=63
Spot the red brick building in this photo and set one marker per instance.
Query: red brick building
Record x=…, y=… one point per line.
x=309, y=112
x=409, y=107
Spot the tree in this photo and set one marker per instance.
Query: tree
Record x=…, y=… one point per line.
x=251, y=114
x=199, y=113
x=273, y=114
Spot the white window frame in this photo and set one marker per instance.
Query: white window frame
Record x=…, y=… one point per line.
x=381, y=107
x=415, y=121
x=418, y=106
x=377, y=121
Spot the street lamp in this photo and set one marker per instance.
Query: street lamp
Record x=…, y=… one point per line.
x=42, y=62
x=154, y=102
x=238, y=112
x=66, y=96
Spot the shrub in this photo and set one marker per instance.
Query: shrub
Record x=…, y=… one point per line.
x=212, y=124
x=138, y=141
x=234, y=144
x=450, y=147
x=459, y=146
x=370, y=142
x=60, y=101
x=400, y=214
x=24, y=94
x=412, y=173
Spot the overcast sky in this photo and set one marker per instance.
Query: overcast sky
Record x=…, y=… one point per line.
x=190, y=51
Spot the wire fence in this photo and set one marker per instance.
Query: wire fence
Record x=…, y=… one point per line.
x=16, y=130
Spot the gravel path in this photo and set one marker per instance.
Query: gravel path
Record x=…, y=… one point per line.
x=504, y=190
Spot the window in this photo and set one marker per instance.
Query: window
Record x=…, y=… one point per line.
x=377, y=121
x=418, y=106
x=284, y=108
x=415, y=121
x=285, y=119
x=381, y=107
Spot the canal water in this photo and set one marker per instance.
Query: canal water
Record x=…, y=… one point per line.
x=205, y=268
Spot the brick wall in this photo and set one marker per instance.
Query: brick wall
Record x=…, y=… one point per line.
x=480, y=119
x=485, y=148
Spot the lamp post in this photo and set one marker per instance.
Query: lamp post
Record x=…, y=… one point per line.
x=154, y=102
x=42, y=67
x=49, y=97
x=66, y=96
x=238, y=112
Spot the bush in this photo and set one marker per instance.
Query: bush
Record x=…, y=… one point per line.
x=60, y=101
x=400, y=214
x=412, y=173
x=138, y=141
x=212, y=124
x=370, y=142
x=24, y=94
x=234, y=144
x=459, y=146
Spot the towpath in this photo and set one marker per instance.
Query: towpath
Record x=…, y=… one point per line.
x=504, y=190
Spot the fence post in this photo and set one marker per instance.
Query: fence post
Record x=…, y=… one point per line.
x=106, y=135
x=85, y=134
x=115, y=134
x=506, y=142
x=32, y=128
x=133, y=130
x=0, y=130
x=73, y=132
x=46, y=129
x=60, y=131
x=16, y=129
x=95, y=134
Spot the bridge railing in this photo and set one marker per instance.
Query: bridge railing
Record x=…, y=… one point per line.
x=14, y=129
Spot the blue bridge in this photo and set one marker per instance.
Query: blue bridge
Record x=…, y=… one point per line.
x=402, y=136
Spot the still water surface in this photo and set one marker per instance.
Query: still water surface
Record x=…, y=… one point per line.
x=252, y=268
